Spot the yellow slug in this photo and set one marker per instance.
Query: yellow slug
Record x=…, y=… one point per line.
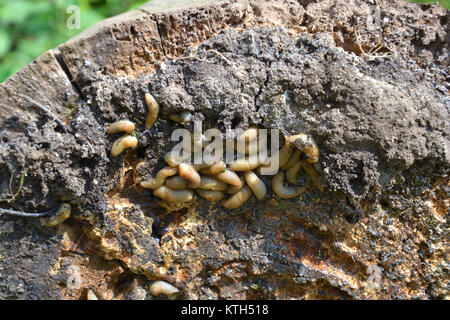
x=229, y=177
x=214, y=169
x=238, y=199
x=153, y=110
x=160, y=177
x=182, y=117
x=176, y=183
x=247, y=164
x=210, y=195
x=313, y=173
x=209, y=183
x=292, y=160
x=282, y=191
x=58, y=217
x=188, y=172
x=305, y=143
x=121, y=126
x=173, y=196
x=256, y=184
x=123, y=143
x=283, y=156
x=248, y=135
x=174, y=158
x=234, y=189
x=162, y=287
x=291, y=173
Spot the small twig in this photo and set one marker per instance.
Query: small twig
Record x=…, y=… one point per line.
x=359, y=44
x=10, y=187
x=81, y=237
x=22, y=177
x=370, y=55
x=376, y=48
x=220, y=55
x=46, y=110
x=191, y=57
x=28, y=214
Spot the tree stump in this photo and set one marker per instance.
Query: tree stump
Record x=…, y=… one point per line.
x=368, y=80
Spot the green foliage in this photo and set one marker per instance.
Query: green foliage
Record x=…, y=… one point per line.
x=443, y=3
x=28, y=28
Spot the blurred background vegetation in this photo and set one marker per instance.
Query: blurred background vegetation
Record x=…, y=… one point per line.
x=28, y=28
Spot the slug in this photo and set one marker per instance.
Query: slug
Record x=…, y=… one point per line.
x=307, y=144
x=209, y=183
x=252, y=162
x=121, y=126
x=174, y=158
x=214, y=169
x=246, y=138
x=238, y=199
x=284, y=154
x=291, y=173
x=160, y=178
x=229, y=177
x=256, y=184
x=283, y=157
x=189, y=173
x=211, y=195
x=153, y=110
x=248, y=135
x=123, y=143
x=182, y=117
x=252, y=146
x=162, y=287
x=199, y=140
x=200, y=166
x=292, y=160
x=282, y=191
x=176, y=183
x=174, y=196
x=234, y=189
x=313, y=173
x=58, y=217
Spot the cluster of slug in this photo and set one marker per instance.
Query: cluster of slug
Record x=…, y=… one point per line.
x=177, y=182
x=129, y=141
